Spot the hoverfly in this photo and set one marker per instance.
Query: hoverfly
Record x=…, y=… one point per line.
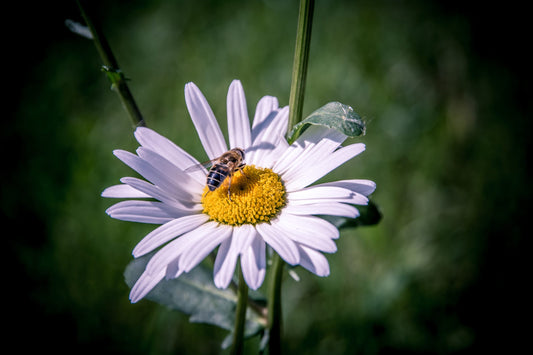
x=223, y=167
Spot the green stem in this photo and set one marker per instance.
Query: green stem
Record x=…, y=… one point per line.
x=112, y=69
x=296, y=101
x=274, y=306
x=259, y=309
x=301, y=58
x=240, y=316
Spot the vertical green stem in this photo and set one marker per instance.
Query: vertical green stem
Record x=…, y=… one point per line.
x=240, y=315
x=296, y=101
x=301, y=58
x=274, y=306
x=112, y=68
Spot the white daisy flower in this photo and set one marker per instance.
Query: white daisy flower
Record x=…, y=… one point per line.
x=271, y=202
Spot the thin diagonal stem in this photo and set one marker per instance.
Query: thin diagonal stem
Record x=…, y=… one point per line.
x=112, y=69
x=301, y=58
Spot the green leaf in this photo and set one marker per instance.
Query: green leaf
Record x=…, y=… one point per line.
x=369, y=215
x=332, y=115
x=114, y=75
x=195, y=294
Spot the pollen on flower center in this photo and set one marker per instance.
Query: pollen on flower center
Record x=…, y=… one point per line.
x=257, y=196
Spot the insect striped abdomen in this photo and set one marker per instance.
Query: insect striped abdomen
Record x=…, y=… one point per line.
x=216, y=176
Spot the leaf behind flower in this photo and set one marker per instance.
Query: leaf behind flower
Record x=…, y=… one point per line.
x=332, y=115
x=369, y=215
x=195, y=294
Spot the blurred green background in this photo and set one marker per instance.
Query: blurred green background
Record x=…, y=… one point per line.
x=444, y=88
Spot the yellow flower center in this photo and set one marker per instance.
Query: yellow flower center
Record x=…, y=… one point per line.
x=255, y=197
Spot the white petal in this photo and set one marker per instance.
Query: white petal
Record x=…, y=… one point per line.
x=173, y=269
x=133, y=161
x=225, y=264
x=168, y=254
x=293, y=157
x=229, y=251
x=276, y=237
x=168, y=150
x=183, y=184
x=253, y=263
x=264, y=108
x=145, y=284
x=312, y=231
x=152, y=191
x=364, y=187
x=269, y=138
x=315, y=153
x=323, y=208
x=148, y=171
x=269, y=158
x=205, y=122
x=167, y=232
x=145, y=212
x=238, y=121
x=313, y=261
x=310, y=195
x=354, y=199
x=305, y=145
x=245, y=236
x=320, y=192
x=204, y=244
x=123, y=191
x=289, y=157
x=310, y=174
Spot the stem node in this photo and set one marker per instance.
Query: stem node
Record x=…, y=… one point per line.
x=111, y=68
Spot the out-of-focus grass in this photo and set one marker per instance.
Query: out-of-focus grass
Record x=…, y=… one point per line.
x=446, y=144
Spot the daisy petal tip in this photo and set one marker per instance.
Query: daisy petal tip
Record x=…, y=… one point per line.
x=108, y=192
x=223, y=273
x=137, y=294
x=134, y=298
x=373, y=187
x=142, y=133
x=222, y=283
x=140, y=130
x=137, y=252
x=252, y=286
x=256, y=282
x=122, y=154
x=268, y=102
x=320, y=270
x=144, y=285
x=191, y=89
x=236, y=82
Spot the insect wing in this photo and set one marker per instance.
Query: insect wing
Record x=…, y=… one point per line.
x=202, y=166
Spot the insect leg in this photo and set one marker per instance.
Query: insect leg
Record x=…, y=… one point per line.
x=229, y=186
x=240, y=169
